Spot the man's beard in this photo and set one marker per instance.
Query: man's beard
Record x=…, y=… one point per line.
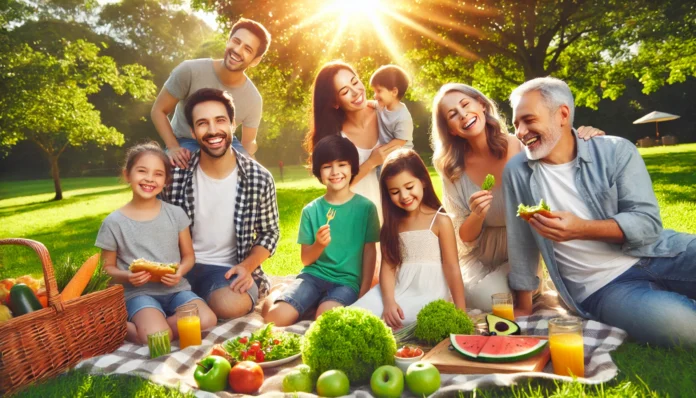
x=227, y=142
x=240, y=67
x=547, y=144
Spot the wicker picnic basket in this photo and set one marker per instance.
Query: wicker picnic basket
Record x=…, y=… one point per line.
x=47, y=342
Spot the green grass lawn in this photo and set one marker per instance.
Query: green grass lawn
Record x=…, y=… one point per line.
x=69, y=227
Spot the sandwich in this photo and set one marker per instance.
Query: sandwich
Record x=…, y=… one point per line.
x=157, y=270
x=526, y=212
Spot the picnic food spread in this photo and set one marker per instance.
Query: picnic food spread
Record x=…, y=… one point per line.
x=263, y=345
x=439, y=319
x=497, y=348
x=212, y=373
x=157, y=270
x=526, y=212
x=502, y=326
x=352, y=340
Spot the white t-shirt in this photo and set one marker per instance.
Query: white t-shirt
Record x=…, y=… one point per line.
x=214, y=235
x=585, y=265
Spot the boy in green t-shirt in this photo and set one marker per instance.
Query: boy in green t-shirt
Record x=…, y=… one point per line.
x=338, y=253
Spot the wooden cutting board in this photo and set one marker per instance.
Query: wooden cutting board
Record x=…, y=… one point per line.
x=450, y=361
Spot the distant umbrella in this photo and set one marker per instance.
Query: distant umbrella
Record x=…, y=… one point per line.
x=656, y=117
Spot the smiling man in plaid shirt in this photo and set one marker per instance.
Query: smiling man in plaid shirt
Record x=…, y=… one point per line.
x=231, y=201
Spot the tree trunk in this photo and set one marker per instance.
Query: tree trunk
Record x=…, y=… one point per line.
x=55, y=172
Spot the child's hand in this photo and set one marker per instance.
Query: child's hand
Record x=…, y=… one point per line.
x=393, y=315
x=171, y=279
x=139, y=278
x=323, y=237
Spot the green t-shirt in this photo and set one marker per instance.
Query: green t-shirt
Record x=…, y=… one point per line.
x=355, y=224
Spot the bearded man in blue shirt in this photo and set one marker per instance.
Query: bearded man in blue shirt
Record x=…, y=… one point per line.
x=603, y=242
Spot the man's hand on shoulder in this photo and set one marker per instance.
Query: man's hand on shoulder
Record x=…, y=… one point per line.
x=558, y=226
x=179, y=156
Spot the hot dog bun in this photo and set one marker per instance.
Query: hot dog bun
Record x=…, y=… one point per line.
x=157, y=270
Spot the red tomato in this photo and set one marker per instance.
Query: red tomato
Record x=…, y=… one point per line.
x=245, y=354
x=246, y=377
x=276, y=341
x=255, y=346
x=244, y=340
x=260, y=356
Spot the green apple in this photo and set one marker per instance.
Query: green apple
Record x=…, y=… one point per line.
x=298, y=380
x=211, y=373
x=422, y=378
x=333, y=383
x=387, y=382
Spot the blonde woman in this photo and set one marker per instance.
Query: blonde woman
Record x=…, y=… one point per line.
x=470, y=141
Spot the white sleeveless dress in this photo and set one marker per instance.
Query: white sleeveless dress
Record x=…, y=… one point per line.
x=369, y=185
x=420, y=279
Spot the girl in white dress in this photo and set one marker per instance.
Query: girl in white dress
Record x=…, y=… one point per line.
x=419, y=252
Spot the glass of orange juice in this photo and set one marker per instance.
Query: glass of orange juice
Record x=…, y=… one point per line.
x=189, y=324
x=502, y=306
x=567, y=351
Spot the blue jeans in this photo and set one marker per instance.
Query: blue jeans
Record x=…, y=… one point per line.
x=207, y=278
x=654, y=301
x=307, y=291
x=166, y=303
x=192, y=145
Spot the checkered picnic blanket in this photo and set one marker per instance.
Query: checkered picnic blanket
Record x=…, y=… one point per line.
x=176, y=369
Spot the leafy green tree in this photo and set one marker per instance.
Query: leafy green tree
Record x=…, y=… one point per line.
x=49, y=104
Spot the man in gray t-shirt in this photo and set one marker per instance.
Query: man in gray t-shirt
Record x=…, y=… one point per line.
x=247, y=43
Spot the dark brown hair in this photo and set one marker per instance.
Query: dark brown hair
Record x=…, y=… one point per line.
x=397, y=162
x=136, y=152
x=450, y=150
x=325, y=119
x=257, y=30
x=390, y=77
x=335, y=148
x=205, y=95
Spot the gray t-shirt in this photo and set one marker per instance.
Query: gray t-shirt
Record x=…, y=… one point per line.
x=396, y=124
x=154, y=240
x=193, y=75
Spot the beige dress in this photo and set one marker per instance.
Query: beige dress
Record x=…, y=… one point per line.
x=484, y=262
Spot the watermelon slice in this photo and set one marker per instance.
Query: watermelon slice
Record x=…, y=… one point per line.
x=468, y=345
x=497, y=348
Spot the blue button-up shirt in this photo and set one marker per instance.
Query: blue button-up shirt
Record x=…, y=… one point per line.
x=614, y=183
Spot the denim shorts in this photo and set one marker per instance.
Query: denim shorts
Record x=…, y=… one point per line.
x=192, y=145
x=166, y=303
x=308, y=291
x=207, y=278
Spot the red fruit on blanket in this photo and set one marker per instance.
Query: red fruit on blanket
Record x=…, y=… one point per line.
x=246, y=377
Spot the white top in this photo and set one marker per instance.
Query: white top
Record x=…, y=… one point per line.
x=369, y=185
x=214, y=235
x=585, y=265
x=420, y=278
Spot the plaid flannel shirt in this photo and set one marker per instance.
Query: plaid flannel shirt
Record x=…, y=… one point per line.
x=255, y=212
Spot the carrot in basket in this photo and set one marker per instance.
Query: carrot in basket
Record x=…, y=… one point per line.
x=79, y=282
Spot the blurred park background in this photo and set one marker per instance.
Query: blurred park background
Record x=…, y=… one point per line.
x=78, y=77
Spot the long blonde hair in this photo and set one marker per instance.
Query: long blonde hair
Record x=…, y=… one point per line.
x=450, y=150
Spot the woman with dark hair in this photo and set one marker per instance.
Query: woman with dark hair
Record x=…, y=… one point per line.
x=470, y=141
x=339, y=106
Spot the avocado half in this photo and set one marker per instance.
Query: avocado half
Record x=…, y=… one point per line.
x=502, y=326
